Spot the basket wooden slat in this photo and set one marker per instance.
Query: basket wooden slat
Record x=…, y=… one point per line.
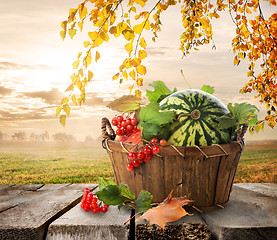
x=204, y=174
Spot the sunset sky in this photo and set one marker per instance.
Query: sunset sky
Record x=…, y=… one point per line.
x=35, y=65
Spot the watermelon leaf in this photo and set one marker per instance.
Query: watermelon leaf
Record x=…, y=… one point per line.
x=160, y=91
x=208, y=89
x=240, y=113
x=151, y=114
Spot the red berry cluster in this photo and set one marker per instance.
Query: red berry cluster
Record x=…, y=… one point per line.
x=124, y=126
x=90, y=201
x=145, y=155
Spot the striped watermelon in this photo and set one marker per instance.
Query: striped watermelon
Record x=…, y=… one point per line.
x=197, y=112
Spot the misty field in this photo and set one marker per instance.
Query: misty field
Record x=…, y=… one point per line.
x=36, y=163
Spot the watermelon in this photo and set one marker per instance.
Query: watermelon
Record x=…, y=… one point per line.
x=197, y=123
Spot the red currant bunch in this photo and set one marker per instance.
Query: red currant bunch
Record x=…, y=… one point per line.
x=137, y=158
x=124, y=126
x=91, y=202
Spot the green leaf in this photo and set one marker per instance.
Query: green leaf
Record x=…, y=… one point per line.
x=104, y=183
x=150, y=130
x=126, y=103
x=143, y=202
x=245, y=113
x=225, y=122
x=208, y=89
x=160, y=91
x=110, y=195
x=126, y=192
x=151, y=114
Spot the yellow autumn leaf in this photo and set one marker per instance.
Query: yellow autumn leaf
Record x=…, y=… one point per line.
x=86, y=43
x=66, y=109
x=113, y=30
x=103, y=35
x=79, y=85
x=142, y=54
x=141, y=70
x=131, y=88
x=142, y=43
x=146, y=24
x=82, y=11
x=140, y=82
x=132, y=74
x=92, y=35
x=97, y=56
x=72, y=13
x=72, y=32
x=70, y=87
x=80, y=25
x=135, y=62
x=64, y=100
x=115, y=77
x=90, y=75
x=62, y=34
x=129, y=47
x=73, y=99
x=79, y=55
x=138, y=93
x=58, y=110
x=138, y=28
x=125, y=75
x=128, y=35
x=63, y=25
x=76, y=64
x=62, y=120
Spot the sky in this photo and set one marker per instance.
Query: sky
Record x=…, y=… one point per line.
x=35, y=65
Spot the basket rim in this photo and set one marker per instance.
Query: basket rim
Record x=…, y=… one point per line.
x=214, y=150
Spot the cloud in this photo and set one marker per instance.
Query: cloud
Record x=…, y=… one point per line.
x=50, y=97
x=94, y=101
x=6, y=65
x=5, y=91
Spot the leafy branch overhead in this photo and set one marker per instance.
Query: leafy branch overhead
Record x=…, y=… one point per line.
x=255, y=40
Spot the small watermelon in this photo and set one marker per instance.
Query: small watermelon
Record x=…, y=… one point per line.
x=197, y=123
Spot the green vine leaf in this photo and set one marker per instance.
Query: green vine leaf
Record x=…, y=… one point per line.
x=208, y=89
x=104, y=183
x=126, y=192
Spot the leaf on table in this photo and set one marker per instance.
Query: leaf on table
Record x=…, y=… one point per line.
x=208, y=89
x=110, y=195
x=126, y=103
x=168, y=211
x=126, y=192
x=104, y=183
x=160, y=91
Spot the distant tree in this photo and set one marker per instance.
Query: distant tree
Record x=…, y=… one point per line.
x=89, y=139
x=1, y=135
x=19, y=136
x=63, y=137
x=255, y=41
x=44, y=136
x=34, y=137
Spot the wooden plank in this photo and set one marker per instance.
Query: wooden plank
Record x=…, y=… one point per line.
x=78, y=224
x=31, y=212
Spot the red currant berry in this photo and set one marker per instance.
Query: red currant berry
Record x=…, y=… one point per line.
x=93, y=205
x=147, y=150
x=124, y=123
x=119, y=132
x=130, y=167
x=119, y=118
x=136, y=163
x=89, y=198
x=134, y=121
x=94, y=200
x=130, y=128
x=114, y=122
x=124, y=130
x=96, y=210
x=107, y=206
x=135, y=129
x=147, y=157
x=86, y=208
x=155, y=149
x=141, y=156
x=104, y=209
x=119, y=125
x=132, y=155
x=128, y=121
x=163, y=142
x=154, y=141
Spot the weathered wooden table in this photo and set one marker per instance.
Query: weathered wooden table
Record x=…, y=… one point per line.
x=52, y=212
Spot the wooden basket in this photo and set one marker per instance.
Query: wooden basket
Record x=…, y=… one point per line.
x=203, y=174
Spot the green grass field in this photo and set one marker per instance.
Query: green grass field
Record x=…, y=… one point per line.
x=35, y=163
